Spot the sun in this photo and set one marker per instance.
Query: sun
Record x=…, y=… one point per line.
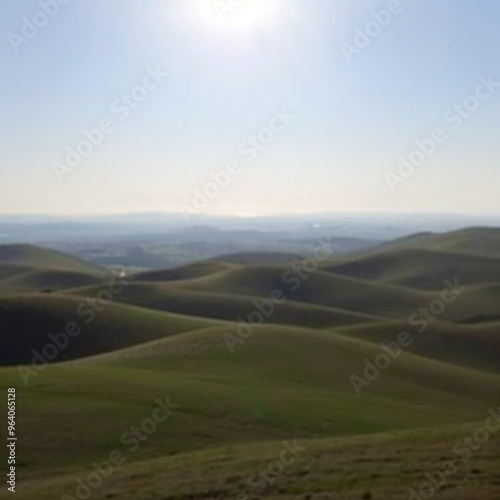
x=233, y=17
x=246, y=14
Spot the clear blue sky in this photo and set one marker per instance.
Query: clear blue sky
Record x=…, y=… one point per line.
x=227, y=73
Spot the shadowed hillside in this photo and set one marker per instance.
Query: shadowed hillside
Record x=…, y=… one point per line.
x=421, y=268
x=476, y=346
x=321, y=288
x=230, y=306
x=27, y=320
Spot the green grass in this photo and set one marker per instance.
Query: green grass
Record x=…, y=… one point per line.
x=475, y=240
x=229, y=306
x=259, y=258
x=378, y=467
x=26, y=321
x=164, y=335
x=421, y=268
x=476, y=346
x=40, y=258
x=189, y=271
x=302, y=390
x=320, y=288
x=26, y=268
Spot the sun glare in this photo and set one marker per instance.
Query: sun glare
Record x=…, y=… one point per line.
x=233, y=17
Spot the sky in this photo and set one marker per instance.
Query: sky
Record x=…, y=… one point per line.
x=243, y=107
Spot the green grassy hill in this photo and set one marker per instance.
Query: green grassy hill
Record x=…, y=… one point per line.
x=259, y=258
x=40, y=258
x=421, y=268
x=189, y=271
x=47, y=281
x=301, y=390
x=26, y=268
x=229, y=306
x=476, y=240
x=477, y=346
x=27, y=320
x=319, y=288
x=366, y=467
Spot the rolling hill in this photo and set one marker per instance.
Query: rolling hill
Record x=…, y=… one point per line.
x=230, y=306
x=422, y=269
x=31, y=256
x=477, y=346
x=259, y=258
x=27, y=320
x=26, y=268
x=189, y=271
x=319, y=288
x=302, y=390
x=238, y=392
x=475, y=240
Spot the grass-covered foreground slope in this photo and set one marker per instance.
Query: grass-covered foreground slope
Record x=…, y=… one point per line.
x=381, y=466
x=301, y=392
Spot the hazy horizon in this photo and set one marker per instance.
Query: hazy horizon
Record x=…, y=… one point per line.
x=243, y=216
